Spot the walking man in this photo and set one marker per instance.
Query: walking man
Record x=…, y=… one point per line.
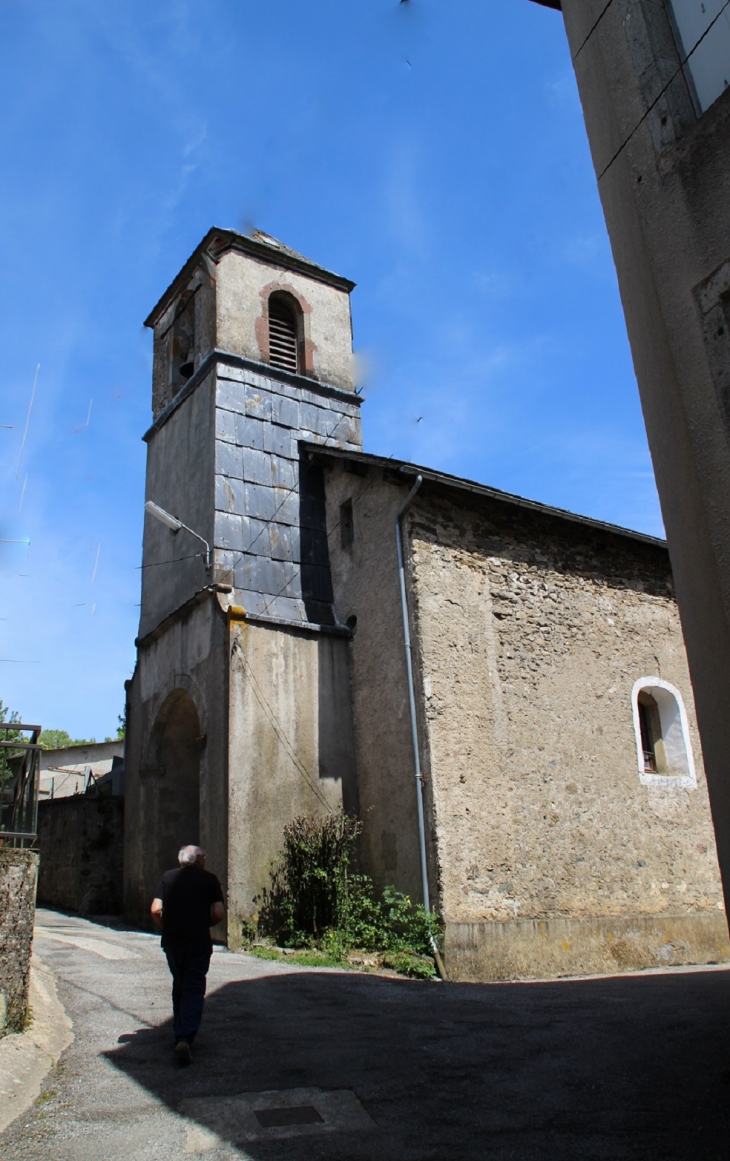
x=189, y=901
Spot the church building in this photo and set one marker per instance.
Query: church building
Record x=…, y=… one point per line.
x=499, y=689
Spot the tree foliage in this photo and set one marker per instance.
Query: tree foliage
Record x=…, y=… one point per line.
x=7, y=715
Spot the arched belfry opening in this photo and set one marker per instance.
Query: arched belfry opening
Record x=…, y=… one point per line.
x=176, y=743
x=285, y=333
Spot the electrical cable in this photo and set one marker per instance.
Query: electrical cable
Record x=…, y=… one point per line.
x=592, y=30
x=661, y=93
x=332, y=531
x=173, y=560
x=279, y=729
x=240, y=553
x=247, y=551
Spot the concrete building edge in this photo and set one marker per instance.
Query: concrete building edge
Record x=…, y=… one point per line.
x=528, y=949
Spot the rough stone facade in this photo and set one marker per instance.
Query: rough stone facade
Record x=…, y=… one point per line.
x=531, y=638
x=18, y=876
x=81, y=843
x=275, y=684
x=547, y=853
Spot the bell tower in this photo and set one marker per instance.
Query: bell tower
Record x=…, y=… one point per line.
x=252, y=364
x=252, y=354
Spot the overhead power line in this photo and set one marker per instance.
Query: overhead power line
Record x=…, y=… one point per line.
x=593, y=28
x=662, y=91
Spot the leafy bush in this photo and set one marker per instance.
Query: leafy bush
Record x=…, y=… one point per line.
x=6, y=772
x=316, y=899
x=309, y=884
x=419, y=967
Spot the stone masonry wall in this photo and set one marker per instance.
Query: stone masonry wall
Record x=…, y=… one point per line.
x=18, y=874
x=81, y=841
x=532, y=632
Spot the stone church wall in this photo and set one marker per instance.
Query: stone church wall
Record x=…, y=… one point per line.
x=547, y=855
x=242, y=288
x=290, y=747
x=365, y=581
x=552, y=855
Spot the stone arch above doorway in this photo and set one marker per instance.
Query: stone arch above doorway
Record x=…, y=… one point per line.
x=173, y=755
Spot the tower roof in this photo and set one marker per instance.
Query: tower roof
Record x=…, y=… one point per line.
x=256, y=244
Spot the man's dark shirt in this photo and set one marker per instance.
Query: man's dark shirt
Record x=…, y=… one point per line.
x=187, y=894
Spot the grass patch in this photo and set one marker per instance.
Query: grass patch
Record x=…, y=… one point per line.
x=265, y=953
x=306, y=957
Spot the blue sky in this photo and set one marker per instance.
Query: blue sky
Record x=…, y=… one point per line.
x=432, y=151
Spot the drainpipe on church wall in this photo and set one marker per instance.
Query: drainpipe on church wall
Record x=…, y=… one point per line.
x=412, y=708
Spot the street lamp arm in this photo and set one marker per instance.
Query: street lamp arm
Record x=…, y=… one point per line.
x=175, y=525
x=201, y=539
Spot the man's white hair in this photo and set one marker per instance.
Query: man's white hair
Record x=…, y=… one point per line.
x=186, y=856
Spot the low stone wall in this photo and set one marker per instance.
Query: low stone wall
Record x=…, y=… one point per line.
x=18, y=877
x=545, y=949
x=81, y=840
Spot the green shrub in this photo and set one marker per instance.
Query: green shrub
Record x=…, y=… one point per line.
x=309, y=884
x=315, y=898
x=419, y=967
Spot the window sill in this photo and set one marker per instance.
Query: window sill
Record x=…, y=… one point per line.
x=668, y=781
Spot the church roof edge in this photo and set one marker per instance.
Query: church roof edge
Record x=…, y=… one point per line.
x=444, y=479
x=219, y=240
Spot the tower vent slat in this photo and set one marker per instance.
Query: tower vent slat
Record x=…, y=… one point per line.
x=282, y=336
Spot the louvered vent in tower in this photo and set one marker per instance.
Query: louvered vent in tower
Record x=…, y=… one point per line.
x=282, y=336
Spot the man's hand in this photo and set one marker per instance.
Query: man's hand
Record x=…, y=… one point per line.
x=156, y=913
x=216, y=913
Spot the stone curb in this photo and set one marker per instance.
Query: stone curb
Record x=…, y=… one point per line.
x=26, y=1058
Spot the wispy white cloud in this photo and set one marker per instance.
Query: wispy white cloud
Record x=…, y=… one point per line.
x=404, y=201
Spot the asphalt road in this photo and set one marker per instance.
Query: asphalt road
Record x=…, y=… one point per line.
x=297, y=1064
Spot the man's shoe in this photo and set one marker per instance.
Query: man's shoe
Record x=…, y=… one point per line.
x=182, y=1052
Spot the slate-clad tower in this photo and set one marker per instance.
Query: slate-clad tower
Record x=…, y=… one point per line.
x=252, y=354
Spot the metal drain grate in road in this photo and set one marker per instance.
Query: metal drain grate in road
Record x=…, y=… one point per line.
x=291, y=1115
x=216, y=1121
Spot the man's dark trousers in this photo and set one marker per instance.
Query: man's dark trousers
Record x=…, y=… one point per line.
x=189, y=963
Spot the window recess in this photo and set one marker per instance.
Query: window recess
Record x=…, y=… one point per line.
x=661, y=728
x=706, y=24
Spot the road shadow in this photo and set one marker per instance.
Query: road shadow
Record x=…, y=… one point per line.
x=111, y=922
x=626, y=1068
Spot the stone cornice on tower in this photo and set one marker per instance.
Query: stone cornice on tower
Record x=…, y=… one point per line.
x=259, y=245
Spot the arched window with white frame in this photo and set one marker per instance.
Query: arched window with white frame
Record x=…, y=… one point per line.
x=661, y=728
